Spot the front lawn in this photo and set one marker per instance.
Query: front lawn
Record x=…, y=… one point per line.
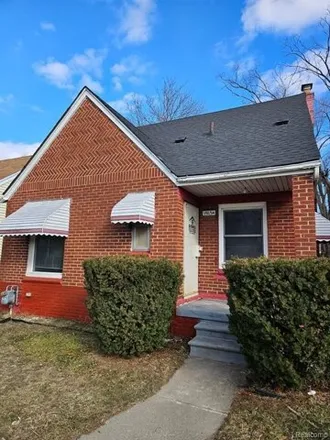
x=296, y=416
x=56, y=385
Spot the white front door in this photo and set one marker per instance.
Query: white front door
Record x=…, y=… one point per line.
x=191, y=249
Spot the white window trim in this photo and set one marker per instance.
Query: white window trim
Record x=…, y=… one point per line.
x=141, y=249
x=241, y=206
x=30, y=264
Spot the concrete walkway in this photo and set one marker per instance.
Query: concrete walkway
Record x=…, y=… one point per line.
x=192, y=406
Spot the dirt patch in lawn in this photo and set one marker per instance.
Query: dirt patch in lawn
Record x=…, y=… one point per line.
x=56, y=385
x=296, y=416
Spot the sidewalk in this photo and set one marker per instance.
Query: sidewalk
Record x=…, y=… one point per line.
x=192, y=406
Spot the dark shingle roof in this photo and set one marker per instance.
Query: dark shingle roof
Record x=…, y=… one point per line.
x=244, y=138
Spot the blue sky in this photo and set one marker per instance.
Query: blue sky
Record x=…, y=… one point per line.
x=50, y=49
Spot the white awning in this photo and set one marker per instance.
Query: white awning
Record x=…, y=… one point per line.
x=135, y=208
x=50, y=217
x=322, y=227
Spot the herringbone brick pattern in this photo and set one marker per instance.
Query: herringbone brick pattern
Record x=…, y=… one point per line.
x=95, y=164
x=78, y=152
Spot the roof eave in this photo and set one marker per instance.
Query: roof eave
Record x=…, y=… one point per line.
x=311, y=167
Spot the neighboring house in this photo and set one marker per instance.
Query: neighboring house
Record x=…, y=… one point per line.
x=322, y=235
x=197, y=190
x=9, y=169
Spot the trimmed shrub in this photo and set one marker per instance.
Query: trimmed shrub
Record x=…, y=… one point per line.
x=131, y=301
x=280, y=313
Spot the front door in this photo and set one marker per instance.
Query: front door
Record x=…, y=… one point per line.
x=191, y=249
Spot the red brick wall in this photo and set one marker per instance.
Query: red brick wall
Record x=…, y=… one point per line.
x=92, y=162
x=184, y=327
x=303, y=197
x=281, y=236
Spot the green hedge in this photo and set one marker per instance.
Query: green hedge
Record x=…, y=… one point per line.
x=280, y=313
x=131, y=301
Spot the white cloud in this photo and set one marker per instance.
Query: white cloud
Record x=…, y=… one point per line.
x=137, y=17
x=36, y=108
x=47, y=26
x=55, y=72
x=116, y=82
x=88, y=81
x=283, y=16
x=122, y=105
x=132, y=65
x=6, y=99
x=292, y=77
x=9, y=149
x=90, y=61
x=5, y=102
x=80, y=68
x=131, y=69
x=243, y=65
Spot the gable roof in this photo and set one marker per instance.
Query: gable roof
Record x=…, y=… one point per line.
x=244, y=138
x=12, y=166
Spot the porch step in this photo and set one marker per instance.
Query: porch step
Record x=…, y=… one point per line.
x=216, y=349
x=215, y=329
x=209, y=310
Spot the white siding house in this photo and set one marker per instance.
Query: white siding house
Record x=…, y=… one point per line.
x=4, y=183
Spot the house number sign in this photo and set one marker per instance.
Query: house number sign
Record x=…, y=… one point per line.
x=209, y=213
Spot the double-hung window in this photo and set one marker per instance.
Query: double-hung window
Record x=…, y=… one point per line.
x=46, y=256
x=243, y=231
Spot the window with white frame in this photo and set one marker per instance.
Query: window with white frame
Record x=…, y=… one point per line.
x=46, y=256
x=140, y=237
x=243, y=231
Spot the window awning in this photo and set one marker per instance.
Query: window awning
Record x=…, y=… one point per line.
x=50, y=217
x=135, y=208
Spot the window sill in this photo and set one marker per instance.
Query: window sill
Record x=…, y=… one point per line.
x=146, y=252
x=43, y=278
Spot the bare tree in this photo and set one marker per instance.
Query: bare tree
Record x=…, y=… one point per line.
x=252, y=86
x=311, y=63
x=170, y=101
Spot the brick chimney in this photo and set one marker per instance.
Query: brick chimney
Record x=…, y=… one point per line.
x=307, y=89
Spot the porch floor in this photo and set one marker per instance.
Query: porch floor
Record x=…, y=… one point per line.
x=212, y=310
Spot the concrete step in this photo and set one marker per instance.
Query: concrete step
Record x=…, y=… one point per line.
x=216, y=355
x=215, y=344
x=216, y=348
x=214, y=329
x=208, y=314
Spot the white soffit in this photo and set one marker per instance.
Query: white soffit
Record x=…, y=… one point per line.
x=250, y=186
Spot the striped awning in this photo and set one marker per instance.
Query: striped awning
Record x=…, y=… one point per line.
x=135, y=208
x=322, y=227
x=50, y=217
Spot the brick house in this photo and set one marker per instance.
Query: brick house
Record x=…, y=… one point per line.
x=196, y=190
